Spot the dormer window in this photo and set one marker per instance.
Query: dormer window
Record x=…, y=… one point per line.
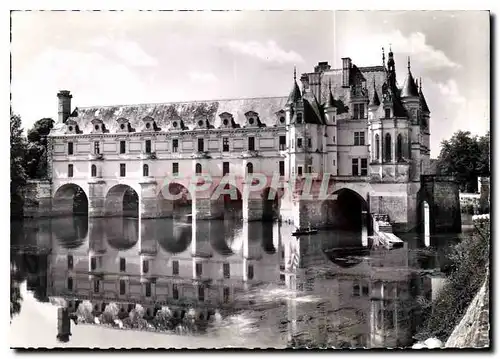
x=148, y=124
x=71, y=127
x=175, y=124
x=123, y=125
x=299, y=117
x=227, y=120
x=98, y=126
x=202, y=123
x=280, y=118
x=252, y=118
x=178, y=125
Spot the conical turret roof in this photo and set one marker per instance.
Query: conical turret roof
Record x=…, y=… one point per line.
x=375, y=100
x=409, y=89
x=295, y=94
x=330, y=102
x=421, y=96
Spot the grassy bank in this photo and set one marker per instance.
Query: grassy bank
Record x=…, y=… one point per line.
x=469, y=260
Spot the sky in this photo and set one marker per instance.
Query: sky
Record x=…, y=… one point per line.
x=118, y=58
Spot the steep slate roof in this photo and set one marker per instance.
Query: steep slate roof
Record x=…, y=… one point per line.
x=164, y=113
x=409, y=87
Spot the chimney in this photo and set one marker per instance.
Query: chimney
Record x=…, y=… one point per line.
x=64, y=97
x=346, y=70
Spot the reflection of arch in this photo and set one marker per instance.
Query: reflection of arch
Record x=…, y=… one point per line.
x=173, y=237
x=267, y=238
x=70, y=232
x=70, y=199
x=271, y=203
x=122, y=233
x=388, y=147
x=345, y=211
x=346, y=257
x=224, y=236
x=122, y=200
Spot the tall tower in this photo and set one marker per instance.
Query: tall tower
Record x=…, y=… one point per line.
x=424, y=119
x=330, y=164
x=64, y=109
x=294, y=111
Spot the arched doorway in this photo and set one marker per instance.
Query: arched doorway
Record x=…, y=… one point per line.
x=345, y=212
x=71, y=200
x=122, y=201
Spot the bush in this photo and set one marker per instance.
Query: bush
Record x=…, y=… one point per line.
x=84, y=312
x=164, y=319
x=470, y=259
x=136, y=318
x=110, y=313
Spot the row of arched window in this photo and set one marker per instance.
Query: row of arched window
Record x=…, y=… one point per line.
x=388, y=147
x=145, y=169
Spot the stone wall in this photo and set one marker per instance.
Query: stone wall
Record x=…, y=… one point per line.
x=473, y=330
x=37, y=199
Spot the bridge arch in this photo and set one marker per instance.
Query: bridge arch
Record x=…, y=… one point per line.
x=70, y=199
x=344, y=210
x=122, y=201
x=271, y=198
x=174, y=200
x=229, y=201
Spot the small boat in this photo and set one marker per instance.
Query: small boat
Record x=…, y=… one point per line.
x=305, y=231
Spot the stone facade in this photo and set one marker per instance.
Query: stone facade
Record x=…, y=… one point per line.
x=353, y=128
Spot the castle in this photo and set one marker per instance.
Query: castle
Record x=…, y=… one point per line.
x=353, y=131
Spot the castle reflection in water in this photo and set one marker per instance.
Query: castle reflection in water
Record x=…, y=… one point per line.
x=353, y=296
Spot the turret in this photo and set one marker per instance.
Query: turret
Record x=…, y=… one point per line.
x=330, y=141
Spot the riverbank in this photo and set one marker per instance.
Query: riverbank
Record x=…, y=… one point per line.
x=464, y=298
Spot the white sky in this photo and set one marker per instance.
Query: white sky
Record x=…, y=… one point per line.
x=107, y=58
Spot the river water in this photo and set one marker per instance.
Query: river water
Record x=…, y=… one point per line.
x=245, y=284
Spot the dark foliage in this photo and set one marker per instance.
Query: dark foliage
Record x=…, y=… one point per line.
x=36, y=154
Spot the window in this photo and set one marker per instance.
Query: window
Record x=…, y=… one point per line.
x=282, y=168
x=399, y=147
x=333, y=139
x=365, y=290
x=122, y=287
x=123, y=264
x=145, y=170
x=145, y=266
x=122, y=170
x=377, y=146
x=199, y=269
x=387, y=113
x=122, y=146
x=175, y=145
x=148, y=146
x=388, y=148
x=251, y=143
x=175, y=268
x=282, y=142
x=70, y=284
x=364, y=167
x=97, y=147
x=309, y=142
x=299, y=170
x=226, y=270
x=359, y=138
x=359, y=111
x=225, y=295
x=175, y=291
x=334, y=161
x=70, y=170
x=355, y=290
x=201, y=147
x=225, y=144
x=201, y=293
x=355, y=167
x=148, y=289
x=225, y=168
x=250, y=272
x=93, y=171
x=70, y=148
x=198, y=168
x=96, y=286
x=309, y=169
x=249, y=168
x=299, y=117
x=93, y=263
x=70, y=262
x=175, y=168
x=299, y=142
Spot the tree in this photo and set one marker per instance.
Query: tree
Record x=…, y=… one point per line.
x=466, y=157
x=36, y=156
x=17, y=171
